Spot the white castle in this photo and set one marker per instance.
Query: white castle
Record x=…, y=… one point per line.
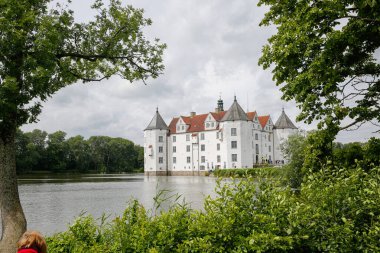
x=192, y=145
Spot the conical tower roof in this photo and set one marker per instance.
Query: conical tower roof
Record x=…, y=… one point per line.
x=235, y=113
x=284, y=122
x=157, y=122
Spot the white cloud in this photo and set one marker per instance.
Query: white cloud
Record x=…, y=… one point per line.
x=213, y=48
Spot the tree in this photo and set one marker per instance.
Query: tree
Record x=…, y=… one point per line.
x=79, y=154
x=30, y=150
x=57, y=151
x=294, y=150
x=324, y=58
x=44, y=50
x=140, y=157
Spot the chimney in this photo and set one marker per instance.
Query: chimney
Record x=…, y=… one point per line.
x=192, y=114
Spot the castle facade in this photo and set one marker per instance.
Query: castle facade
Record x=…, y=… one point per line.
x=195, y=144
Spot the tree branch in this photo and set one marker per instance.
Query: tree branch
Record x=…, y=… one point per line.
x=95, y=57
x=364, y=19
x=349, y=125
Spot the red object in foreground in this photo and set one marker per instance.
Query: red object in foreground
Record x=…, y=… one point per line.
x=29, y=250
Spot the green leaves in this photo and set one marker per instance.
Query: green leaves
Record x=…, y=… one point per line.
x=335, y=211
x=43, y=51
x=38, y=150
x=323, y=57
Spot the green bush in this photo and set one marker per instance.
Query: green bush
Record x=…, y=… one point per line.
x=253, y=172
x=336, y=210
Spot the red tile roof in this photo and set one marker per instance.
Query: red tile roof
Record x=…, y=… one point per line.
x=251, y=115
x=172, y=125
x=263, y=120
x=186, y=119
x=196, y=122
x=218, y=115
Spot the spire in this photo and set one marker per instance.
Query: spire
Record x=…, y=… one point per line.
x=235, y=112
x=284, y=122
x=220, y=104
x=157, y=122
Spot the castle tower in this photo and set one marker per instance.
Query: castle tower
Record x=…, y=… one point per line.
x=220, y=105
x=235, y=125
x=283, y=128
x=155, y=147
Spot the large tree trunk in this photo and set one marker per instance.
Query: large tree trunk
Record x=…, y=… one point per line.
x=12, y=215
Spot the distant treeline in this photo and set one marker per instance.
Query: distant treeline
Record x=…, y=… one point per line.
x=40, y=151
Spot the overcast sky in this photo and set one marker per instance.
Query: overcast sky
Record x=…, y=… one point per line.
x=213, y=49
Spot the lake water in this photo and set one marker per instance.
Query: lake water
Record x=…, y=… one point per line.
x=51, y=202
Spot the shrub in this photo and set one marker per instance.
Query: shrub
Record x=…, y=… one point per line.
x=253, y=172
x=336, y=210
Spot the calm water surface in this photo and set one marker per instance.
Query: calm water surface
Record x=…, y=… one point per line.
x=51, y=202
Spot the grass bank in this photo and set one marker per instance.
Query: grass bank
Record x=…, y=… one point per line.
x=253, y=172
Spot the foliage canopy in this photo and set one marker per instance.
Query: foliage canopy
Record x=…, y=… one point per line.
x=39, y=151
x=324, y=57
x=336, y=211
x=44, y=50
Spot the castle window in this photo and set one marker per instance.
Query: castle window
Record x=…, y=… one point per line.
x=188, y=159
x=183, y=128
x=234, y=157
x=218, y=158
x=160, y=149
x=174, y=149
x=187, y=137
x=218, y=146
x=207, y=125
x=256, y=136
x=178, y=128
x=268, y=137
x=233, y=132
x=257, y=148
x=160, y=138
x=202, y=136
x=174, y=159
x=174, y=138
x=212, y=124
x=203, y=147
x=160, y=160
x=270, y=149
x=203, y=159
x=233, y=144
x=188, y=148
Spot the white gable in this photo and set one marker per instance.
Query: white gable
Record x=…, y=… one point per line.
x=210, y=122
